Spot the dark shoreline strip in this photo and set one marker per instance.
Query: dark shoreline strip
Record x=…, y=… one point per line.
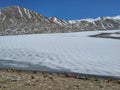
x=104, y=35
x=67, y=74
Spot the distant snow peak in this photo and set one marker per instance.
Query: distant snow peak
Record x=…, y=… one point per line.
x=58, y=21
x=116, y=17
x=87, y=20
x=93, y=19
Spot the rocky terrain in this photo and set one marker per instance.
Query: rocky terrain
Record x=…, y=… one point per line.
x=115, y=35
x=15, y=20
x=28, y=80
x=100, y=23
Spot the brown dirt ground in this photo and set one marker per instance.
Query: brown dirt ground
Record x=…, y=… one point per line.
x=28, y=80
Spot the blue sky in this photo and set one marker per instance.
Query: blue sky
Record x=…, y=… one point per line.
x=69, y=9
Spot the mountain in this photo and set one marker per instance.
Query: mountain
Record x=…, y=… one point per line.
x=100, y=23
x=16, y=20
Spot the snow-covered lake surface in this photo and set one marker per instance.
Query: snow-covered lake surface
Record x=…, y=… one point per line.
x=69, y=52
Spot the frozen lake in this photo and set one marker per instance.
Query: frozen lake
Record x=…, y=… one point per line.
x=67, y=52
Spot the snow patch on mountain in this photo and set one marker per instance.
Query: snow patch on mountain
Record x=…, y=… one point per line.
x=20, y=12
x=27, y=12
x=59, y=21
x=0, y=12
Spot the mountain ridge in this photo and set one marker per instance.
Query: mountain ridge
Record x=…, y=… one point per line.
x=15, y=20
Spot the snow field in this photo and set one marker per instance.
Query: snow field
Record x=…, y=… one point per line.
x=75, y=52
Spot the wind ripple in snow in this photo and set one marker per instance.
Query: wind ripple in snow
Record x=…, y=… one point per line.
x=31, y=56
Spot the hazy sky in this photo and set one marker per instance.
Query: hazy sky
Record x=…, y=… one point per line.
x=69, y=9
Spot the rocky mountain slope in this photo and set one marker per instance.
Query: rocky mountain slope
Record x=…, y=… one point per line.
x=16, y=20
x=100, y=23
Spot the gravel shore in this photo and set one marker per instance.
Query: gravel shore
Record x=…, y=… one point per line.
x=107, y=35
x=31, y=80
